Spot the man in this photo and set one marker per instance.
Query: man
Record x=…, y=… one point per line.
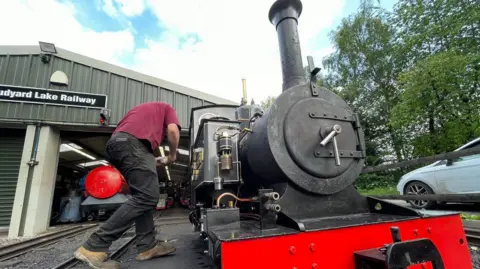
x=131, y=150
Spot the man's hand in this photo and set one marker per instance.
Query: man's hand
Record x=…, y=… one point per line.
x=165, y=161
x=162, y=161
x=172, y=157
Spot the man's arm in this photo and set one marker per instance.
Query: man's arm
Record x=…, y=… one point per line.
x=173, y=140
x=173, y=132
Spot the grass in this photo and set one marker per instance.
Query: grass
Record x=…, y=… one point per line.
x=379, y=191
x=469, y=217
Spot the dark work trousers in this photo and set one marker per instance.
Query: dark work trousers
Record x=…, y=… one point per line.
x=137, y=164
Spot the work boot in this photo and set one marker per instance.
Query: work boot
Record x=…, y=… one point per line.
x=157, y=251
x=96, y=260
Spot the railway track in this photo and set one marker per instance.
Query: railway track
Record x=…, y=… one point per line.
x=117, y=253
x=473, y=236
x=13, y=250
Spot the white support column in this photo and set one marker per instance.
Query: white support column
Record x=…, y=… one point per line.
x=21, y=190
x=43, y=182
x=40, y=184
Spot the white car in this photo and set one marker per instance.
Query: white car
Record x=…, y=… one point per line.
x=444, y=177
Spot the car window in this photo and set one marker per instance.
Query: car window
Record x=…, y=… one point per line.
x=470, y=157
x=464, y=158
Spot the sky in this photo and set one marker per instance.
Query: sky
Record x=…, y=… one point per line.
x=206, y=45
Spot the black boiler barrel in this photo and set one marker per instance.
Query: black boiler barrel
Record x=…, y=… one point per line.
x=285, y=146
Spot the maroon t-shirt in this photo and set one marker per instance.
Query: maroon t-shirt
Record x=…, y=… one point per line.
x=148, y=121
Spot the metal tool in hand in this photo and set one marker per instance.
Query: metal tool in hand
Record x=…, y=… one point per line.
x=336, y=129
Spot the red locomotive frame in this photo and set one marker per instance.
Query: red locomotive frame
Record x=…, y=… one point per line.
x=335, y=248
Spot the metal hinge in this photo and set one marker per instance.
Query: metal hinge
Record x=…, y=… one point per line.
x=342, y=154
x=330, y=116
x=32, y=163
x=313, y=75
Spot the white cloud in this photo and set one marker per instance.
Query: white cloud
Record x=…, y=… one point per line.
x=109, y=8
x=129, y=8
x=237, y=40
x=51, y=21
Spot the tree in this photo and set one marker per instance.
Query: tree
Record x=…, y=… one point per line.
x=440, y=102
x=440, y=79
x=265, y=104
x=365, y=64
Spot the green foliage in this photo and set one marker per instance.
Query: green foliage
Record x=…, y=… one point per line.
x=440, y=101
x=413, y=75
x=373, y=181
x=265, y=104
x=440, y=78
x=469, y=217
x=379, y=191
x=365, y=66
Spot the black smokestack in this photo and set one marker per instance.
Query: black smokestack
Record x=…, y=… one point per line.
x=284, y=15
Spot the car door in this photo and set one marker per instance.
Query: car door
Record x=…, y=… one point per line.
x=461, y=176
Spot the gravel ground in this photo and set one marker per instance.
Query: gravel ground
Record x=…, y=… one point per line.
x=48, y=256
x=4, y=240
x=475, y=253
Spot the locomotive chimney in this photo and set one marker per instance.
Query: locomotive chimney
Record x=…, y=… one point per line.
x=284, y=15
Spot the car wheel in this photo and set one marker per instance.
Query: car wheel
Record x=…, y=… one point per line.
x=419, y=188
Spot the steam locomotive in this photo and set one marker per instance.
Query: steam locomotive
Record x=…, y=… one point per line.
x=274, y=188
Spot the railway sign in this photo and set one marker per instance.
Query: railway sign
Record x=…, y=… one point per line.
x=9, y=93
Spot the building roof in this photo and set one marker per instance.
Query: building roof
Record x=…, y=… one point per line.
x=68, y=55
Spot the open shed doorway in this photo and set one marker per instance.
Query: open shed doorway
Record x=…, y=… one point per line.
x=80, y=153
x=83, y=151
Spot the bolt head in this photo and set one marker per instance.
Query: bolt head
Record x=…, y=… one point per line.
x=313, y=247
x=292, y=250
x=314, y=266
x=337, y=128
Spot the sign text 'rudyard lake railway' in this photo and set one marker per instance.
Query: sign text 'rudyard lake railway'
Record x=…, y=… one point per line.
x=52, y=97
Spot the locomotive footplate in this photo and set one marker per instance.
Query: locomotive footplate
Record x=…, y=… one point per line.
x=427, y=243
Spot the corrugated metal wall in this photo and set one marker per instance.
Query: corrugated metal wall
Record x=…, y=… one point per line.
x=11, y=147
x=123, y=93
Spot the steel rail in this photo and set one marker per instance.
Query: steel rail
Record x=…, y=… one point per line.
x=464, y=197
x=13, y=250
x=473, y=236
x=72, y=261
